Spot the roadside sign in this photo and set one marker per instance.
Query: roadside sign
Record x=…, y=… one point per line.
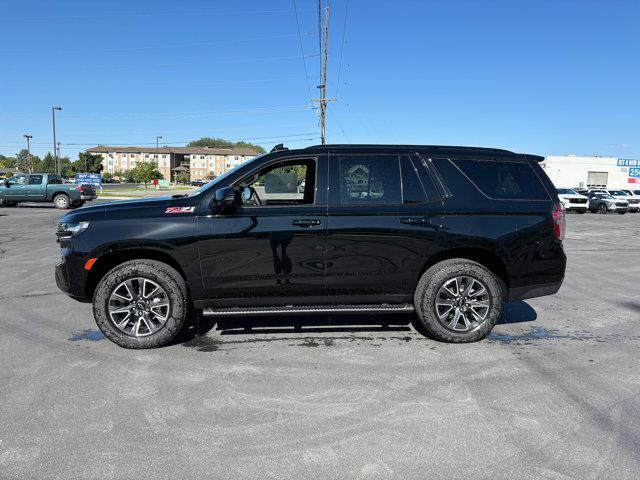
x=164, y=183
x=89, y=179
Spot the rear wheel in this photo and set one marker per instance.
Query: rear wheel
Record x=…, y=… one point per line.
x=141, y=304
x=62, y=201
x=458, y=301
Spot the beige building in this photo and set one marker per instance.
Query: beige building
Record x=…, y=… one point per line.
x=203, y=162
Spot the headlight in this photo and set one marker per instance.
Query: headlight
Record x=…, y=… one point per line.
x=70, y=229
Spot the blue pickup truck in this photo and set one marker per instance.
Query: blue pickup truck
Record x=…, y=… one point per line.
x=44, y=187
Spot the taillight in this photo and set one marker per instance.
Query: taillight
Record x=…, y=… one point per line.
x=557, y=217
x=80, y=188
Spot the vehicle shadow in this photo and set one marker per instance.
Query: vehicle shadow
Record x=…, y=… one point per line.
x=295, y=324
x=517, y=312
x=200, y=325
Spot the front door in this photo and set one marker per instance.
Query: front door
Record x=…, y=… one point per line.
x=16, y=191
x=384, y=217
x=270, y=250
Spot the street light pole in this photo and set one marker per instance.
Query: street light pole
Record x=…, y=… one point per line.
x=158, y=151
x=29, y=137
x=53, y=118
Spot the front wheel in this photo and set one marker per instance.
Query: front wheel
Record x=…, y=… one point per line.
x=602, y=208
x=141, y=304
x=62, y=201
x=458, y=301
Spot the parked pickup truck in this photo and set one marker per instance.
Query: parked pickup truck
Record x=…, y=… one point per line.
x=43, y=187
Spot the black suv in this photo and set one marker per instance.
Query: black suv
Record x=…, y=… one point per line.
x=448, y=232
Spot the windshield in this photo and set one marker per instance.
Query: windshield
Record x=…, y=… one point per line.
x=617, y=192
x=605, y=196
x=567, y=191
x=216, y=180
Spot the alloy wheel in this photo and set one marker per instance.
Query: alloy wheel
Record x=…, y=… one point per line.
x=462, y=303
x=139, y=307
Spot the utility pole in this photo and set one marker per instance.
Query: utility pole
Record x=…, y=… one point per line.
x=158, y=150
x=29, y=165
x=323, y=100
x=53, y=117
x=59, y=158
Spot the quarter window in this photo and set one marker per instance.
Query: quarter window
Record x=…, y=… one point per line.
x=412, y=191
x=371, y=180
x=504, y=180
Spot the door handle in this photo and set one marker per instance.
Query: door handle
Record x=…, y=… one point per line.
x=305, y=222
x=415, y=220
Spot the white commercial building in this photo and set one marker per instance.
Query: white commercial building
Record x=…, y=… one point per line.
x=571, y=171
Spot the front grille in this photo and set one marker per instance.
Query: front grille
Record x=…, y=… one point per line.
x=634, y=202
x=621, y=204
x=578, y=200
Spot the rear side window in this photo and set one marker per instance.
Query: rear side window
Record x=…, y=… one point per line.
x=504, y=180
x=371, y=180
x=412, y=190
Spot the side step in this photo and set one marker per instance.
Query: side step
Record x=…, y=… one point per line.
x=309, y=309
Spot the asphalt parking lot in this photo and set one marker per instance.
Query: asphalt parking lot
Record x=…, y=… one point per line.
x=553, y=393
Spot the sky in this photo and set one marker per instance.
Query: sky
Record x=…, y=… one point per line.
x=541, y=76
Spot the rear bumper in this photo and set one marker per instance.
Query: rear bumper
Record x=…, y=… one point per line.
x=532, y=291
x=88, y=197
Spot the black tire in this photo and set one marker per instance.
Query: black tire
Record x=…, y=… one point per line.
x=62, y=201
x=77, y=204
x=5, y=203
x=435, y=278
x=602, y=208
x=621, y=213
x=160, y=273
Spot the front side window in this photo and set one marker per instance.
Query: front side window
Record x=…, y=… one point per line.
x=35, y=179
x=504, y=180
x=19, y=180
x=373, y=180
x=290, y=182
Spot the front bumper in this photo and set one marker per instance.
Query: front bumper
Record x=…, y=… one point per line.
x=71, y=280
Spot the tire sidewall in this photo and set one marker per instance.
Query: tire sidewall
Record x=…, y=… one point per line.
x=169, y=279
x=64, y=196
x=432, y=281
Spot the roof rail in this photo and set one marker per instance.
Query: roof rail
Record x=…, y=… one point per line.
x=278, y=147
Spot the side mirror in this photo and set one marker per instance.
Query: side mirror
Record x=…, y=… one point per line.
x=225, y=198
x=7, y=183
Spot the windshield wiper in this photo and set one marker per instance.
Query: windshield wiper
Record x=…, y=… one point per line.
x=179, y=195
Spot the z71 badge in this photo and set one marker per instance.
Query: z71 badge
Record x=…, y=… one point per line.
x=180, y=210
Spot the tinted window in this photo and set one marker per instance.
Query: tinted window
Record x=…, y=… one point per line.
x=412, y=191
x=504, y=180
x=370, y=180
x=35, y=179
x=55, y=179
x=286, y=183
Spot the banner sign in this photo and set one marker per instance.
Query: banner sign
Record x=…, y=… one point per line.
x=164, y=183
x=628, y=162
x=89, y=179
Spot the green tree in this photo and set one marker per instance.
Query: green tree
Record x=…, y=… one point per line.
x=222, y=143
x=182, y=177
x=89, y=163
x=46, y=165
x=24, y=161
x=144, y=172
x=9, y=162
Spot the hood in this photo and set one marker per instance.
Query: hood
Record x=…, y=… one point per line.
x=121, y=208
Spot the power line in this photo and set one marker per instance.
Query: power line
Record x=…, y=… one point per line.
x=174, y=114
x=141, y=15
x=304, y=62
x=344, y=29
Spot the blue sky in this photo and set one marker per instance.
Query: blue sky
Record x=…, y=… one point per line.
x=546, y=77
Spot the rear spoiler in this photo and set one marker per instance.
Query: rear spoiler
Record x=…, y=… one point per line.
x=537, y=158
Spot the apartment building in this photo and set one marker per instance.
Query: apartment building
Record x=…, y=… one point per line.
x=203, y=162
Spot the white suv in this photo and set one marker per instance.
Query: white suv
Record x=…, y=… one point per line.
x=572, y=200
x=633, y=200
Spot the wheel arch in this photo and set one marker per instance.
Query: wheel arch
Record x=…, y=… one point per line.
x=108, y=261
x=485, y=257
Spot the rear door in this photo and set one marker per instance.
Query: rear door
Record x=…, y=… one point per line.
x=382, y=226
x=35, y=189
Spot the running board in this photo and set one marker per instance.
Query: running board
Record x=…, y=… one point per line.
x=307, y=309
